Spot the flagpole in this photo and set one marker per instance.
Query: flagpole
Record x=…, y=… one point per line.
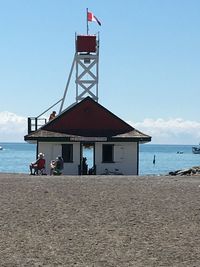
x=87, y=19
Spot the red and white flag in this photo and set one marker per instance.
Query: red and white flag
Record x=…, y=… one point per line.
x=91, y=17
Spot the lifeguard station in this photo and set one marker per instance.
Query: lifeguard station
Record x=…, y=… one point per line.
x=85, y=124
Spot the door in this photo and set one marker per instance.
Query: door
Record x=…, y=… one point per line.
x=87, y=158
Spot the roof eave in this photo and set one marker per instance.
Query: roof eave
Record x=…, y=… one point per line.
x=68, y=139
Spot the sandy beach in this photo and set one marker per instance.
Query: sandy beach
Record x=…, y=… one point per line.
x=99, y=221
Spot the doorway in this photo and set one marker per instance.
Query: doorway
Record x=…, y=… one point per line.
x=87, y=161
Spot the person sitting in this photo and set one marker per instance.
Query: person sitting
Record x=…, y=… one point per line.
x=56, y=166
x=38, y=165
x=52, y=116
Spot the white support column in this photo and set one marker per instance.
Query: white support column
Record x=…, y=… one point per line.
x=67, y=85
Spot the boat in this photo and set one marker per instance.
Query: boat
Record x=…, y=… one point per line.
x=1, y=148
x=196, y=150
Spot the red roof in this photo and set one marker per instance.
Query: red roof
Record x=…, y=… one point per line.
x=88, y=118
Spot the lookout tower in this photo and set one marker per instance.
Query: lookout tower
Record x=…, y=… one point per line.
x=87, y=59
x=86, y=63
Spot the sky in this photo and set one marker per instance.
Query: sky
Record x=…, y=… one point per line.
x=148, y=71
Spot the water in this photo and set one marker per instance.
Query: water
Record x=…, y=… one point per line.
x=16, y=157
x=167, y=158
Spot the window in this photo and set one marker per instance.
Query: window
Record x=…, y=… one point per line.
x=107, y=155
x=67, y=152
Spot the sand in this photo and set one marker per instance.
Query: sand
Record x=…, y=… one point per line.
x=98, y=221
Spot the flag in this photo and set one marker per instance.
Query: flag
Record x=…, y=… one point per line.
x=91, y=17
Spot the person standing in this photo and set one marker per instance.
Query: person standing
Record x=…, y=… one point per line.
x=154, y=159
x=84, y=166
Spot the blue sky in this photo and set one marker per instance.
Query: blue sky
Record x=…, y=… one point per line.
x=149, y=61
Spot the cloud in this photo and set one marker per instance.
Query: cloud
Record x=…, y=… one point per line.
x=12, y=127
x=171, y=131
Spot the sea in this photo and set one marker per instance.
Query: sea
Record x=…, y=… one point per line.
x=16, y=157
